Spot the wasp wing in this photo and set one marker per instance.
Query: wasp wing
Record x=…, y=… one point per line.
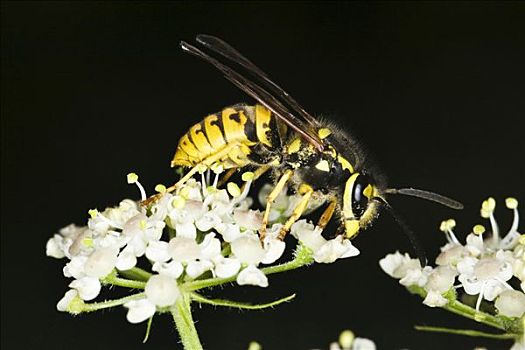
x=223, y=48
x=261, y=95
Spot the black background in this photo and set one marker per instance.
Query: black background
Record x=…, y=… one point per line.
x=92, y=91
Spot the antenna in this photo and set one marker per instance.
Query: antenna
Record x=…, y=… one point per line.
x=427, y=195
x=412, y=237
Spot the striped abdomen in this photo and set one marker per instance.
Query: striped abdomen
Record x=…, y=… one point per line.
x=245, y=133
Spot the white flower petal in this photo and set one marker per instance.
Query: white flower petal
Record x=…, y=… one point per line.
x=186, y=229
x=198, y=267
x=126, y=260
x=162, y=290
x=435, y=299
x=397, y=265
x=363, y=344
x=173, y=268
x=157, y=251
x=210, y=247
x=54, y=247
x=88, y=287
x=101, y=262
x=441, y=279
x=251, y=275
x=511, y=303
x=248, y=249
x=274, y=250
x=63, y=303
x=139, y=310
x=227, y=267
x=207, y=221
x=230, y=232
x=248, y=219
x=183, y=249
x=335, y=249
x=75, y=267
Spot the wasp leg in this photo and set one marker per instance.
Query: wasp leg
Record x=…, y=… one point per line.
x=226, y=177
x=258, y=173
x=307, y=192
x=271, y=197
x=327, y=214
x=206, y=162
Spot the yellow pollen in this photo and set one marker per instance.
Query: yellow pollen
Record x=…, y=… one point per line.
x=511, y=203
x=324, y=133
x=178, y=202
x=184, y=192
x=87, y=242
x=478, y=229
x=487, y=207
x=93, y=213
x=160, y=188
x=142, y=224
x=522, y=239
x=323, y=166
x=201, y=168
x=233, y=189
x=247, y=176
x=217, y=168
x=346, y=338
x=132, y=178
x=294, y=146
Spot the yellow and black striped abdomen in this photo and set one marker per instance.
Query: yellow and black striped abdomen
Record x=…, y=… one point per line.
x=234, y=131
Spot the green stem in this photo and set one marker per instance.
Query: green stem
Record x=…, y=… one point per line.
x=459, y=308
x=181, y=313
x=467, y=332
x=122, y=282
x=110, y=303
x=136, y=273
x=234, y=304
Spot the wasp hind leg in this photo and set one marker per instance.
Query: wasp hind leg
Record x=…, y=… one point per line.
x=226, y=177
x=271, y=197
x=298, y=211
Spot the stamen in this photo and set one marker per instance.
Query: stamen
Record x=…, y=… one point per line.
x=233, y=189
x=480, y=297
x=487, y=211
x=446, y=227
x=134, y=179
x=512, y=203
x=160, y=188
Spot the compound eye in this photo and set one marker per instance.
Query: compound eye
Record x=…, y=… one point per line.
x=360, y=197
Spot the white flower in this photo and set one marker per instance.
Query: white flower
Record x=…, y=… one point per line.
x=139, y=310
x=226, y=267
x=63, y=304
x=325, y=251
x=488, y=278
x=197, y=257
x=511, y=303
x=363, y=344
x=252, y=276
x=248, y=249
x=173, y=268
x=101, y=262
x=88, y=287
x=162, y=290
x=439, y=281
x=397, y=265
x=157, y=251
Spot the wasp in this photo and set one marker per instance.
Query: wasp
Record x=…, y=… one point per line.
x=277, y=134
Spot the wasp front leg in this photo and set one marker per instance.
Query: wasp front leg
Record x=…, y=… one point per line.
x=271, y=198
x=306, y=191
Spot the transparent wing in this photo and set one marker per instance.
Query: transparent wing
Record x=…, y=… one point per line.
x=223, y=48
x=258, y=92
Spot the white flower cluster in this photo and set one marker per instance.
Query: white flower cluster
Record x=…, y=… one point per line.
x=198, y=232
x=487, y=265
